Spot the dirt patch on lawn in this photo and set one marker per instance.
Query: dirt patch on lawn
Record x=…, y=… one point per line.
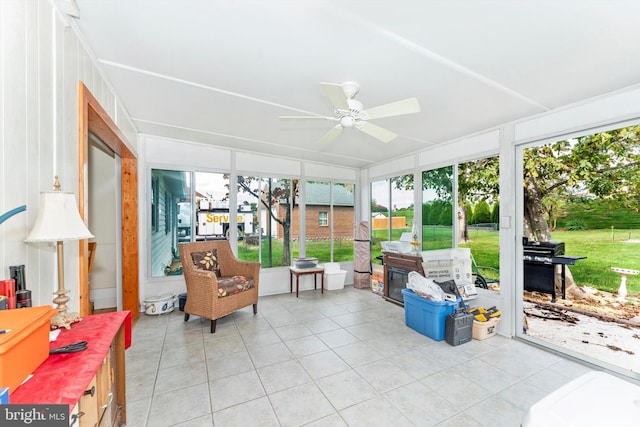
x=603, y=305
x=600, y=327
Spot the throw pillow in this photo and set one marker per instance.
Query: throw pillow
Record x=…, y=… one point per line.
x=207, y=260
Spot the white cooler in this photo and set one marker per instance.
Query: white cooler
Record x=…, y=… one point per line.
x=595, y=399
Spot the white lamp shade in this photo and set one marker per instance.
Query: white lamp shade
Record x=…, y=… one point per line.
x=58, y=219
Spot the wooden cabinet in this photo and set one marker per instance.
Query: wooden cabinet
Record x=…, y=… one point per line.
x=88, y=405
x=102, y=405
x=92, y=379
x=105, y=406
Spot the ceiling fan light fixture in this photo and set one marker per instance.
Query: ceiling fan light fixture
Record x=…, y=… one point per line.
x=347, y=122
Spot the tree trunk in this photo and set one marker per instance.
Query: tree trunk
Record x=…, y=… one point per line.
x=286, y=247
x=535, y=223
x=286, y=233
x=463, y=229
x=536, y=228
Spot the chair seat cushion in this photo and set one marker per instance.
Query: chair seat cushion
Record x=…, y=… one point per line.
x=234, y=285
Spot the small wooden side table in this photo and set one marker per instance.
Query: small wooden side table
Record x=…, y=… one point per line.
x=301, y=272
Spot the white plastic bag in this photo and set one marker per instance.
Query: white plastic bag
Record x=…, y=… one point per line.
x=424, y=287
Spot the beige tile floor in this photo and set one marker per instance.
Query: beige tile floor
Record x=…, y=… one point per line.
x=342, y=358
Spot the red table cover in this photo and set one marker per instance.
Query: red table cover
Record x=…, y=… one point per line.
x=63, y=378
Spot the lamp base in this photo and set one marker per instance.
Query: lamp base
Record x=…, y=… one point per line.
x=64, y=320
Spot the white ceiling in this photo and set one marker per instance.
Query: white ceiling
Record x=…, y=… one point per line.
x=222, y=71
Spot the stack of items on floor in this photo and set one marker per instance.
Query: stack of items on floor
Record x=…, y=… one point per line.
x=377, y=279
x=437, y=310
x=433, y=309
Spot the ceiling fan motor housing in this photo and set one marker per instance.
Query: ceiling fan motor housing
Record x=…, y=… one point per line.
x=349, y=117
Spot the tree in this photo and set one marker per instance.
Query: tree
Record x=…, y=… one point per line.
x=426, y=212
x=554, y=206
x=606, y=165
x=446, y=215
x=495, y=213
x=272, y=193
x=481, y=212
x=440, y=181
x=477, y=180
x=375, y=207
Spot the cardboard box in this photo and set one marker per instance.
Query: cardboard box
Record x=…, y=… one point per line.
x=458, y=270
x=377, y=285
x=448, y=264
x=484, y=330
x=26, y=346
x=426, y=316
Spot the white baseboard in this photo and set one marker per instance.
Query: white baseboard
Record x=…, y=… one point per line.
x=104, y=298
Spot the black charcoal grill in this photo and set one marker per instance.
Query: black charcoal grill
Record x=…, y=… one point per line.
x=540, y=260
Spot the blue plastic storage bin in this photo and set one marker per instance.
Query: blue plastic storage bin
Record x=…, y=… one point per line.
x=426, y=316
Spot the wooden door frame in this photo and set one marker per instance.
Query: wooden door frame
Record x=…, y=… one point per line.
x=92, y=117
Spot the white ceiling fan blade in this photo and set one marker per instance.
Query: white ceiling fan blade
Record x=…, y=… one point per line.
x=335, y=93
x=331, y=135
x=406, y=106
x=376, y=131
x=306, y=118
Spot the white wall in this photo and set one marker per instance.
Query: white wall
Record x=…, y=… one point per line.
x=41, y=62
x=104, y=214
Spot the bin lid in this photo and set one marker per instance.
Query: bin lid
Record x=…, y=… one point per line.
x=332, y=267
x=22, y=322
x=158, y=298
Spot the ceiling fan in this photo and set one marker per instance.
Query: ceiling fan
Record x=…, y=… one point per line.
x=348, y=112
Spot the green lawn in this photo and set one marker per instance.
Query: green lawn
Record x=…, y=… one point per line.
x=597, y=245
x=601, y=251
x=432, y=237
x=342, y=251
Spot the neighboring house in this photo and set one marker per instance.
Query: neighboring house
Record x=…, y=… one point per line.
x=165, y=190
x=320, y=212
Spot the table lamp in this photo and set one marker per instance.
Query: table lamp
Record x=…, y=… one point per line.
x=59, y=221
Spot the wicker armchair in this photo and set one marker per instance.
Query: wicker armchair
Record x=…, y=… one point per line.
x=211, y=295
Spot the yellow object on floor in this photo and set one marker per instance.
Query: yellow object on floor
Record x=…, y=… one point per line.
x=482, y=314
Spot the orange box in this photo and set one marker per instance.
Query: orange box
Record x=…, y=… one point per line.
x=26, y=346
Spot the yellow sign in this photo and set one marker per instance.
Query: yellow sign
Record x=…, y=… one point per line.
x=221, y=218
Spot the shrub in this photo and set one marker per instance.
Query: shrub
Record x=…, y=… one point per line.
x=575, y=225
x=481, y=212
x=495, y=213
